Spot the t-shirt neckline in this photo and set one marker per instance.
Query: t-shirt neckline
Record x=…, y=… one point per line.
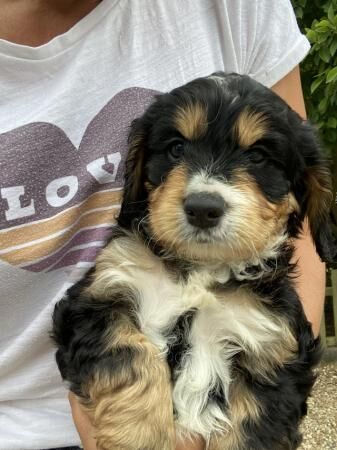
x=61, y=42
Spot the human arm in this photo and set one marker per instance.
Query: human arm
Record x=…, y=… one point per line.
x=311, y=281
x=82, y=423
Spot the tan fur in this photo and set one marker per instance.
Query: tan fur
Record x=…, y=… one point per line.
x=166, y=206
x=167, y=219
x=277, y=211
x=117, y=269
x=250, y=127
x=262, y=215
x=262, y=339
x=318, y=181
x=243, y=404
x=132, y=408
x=108, y=278
x=191, y=121
x=243, y=407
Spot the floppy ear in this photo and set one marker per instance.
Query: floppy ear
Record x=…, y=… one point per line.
x=134, y=195
x=319, y=188
x=316, y=201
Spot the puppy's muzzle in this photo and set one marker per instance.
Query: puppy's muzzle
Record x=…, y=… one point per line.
x=204, y=210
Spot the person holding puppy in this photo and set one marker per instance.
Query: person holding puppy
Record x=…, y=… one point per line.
x=73, y=75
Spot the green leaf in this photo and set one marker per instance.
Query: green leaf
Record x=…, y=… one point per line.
x=322, y=67
x=331, y=13
x=332, y=75
x=333, y=47
x=322, y=106
x=317, y=59
x=331, y=123
x=323, y=25
x=322, y=36
x=324, y=53
x=311, y=35
x=316, y=84
x=299, y=12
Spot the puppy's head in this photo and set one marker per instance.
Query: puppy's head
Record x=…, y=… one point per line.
x=223, y=169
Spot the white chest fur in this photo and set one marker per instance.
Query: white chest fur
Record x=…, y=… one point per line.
x=225, y=324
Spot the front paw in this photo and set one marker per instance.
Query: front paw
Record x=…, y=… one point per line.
x=130, y=402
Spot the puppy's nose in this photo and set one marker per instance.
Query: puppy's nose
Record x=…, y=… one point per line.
x=204, y=210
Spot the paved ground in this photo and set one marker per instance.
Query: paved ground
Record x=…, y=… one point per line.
x=320, y=426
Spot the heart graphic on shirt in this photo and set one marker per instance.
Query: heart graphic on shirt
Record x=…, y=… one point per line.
x=58, y=202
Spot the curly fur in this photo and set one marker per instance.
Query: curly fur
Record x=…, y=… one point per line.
x=189, y=323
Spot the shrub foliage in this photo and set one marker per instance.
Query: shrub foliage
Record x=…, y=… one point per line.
x=318, y=20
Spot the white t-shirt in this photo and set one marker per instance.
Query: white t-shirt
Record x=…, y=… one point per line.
x=65, y=108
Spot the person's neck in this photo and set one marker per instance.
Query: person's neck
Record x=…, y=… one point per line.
x=35, y=22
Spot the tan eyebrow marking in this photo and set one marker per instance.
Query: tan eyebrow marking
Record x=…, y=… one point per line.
x=250, y=127
x=191, y=121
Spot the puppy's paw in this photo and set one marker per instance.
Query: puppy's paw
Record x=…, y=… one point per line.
x=131, y=408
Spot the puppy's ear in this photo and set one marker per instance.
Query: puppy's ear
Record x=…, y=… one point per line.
x=315, y=193
x=134, y=166
x=134, y=195
x=319, y=205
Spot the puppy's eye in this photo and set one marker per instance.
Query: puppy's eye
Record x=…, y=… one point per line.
x=176, y=151
x=257, y=156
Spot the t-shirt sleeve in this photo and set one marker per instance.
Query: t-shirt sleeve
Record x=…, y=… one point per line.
x=270, y=44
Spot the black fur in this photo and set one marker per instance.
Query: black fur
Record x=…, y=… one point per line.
x=288, y=150
x=79, y=326
x=279, y=163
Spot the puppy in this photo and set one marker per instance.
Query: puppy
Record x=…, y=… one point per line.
x=189, y=323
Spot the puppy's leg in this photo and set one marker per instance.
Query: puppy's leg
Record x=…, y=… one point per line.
x=118, y=375
x=131, y=405
x=244, y=408
x=265, y=414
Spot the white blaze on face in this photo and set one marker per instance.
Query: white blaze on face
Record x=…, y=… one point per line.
x=251, y=227
x=235, y=200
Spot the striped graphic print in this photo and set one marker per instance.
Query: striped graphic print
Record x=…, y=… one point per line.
x=76, y=234
x=58, y=200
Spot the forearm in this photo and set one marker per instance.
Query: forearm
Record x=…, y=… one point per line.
x=310, y=283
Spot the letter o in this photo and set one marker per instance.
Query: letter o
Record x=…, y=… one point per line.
x=52, y=190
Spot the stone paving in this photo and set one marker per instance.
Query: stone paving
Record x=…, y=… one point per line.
x=320, y=426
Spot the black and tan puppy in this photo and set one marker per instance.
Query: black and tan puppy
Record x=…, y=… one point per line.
x=189, y=323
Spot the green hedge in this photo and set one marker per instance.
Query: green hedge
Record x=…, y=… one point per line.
x=318, y=20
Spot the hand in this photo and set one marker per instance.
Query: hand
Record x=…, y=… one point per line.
x=86, y=430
